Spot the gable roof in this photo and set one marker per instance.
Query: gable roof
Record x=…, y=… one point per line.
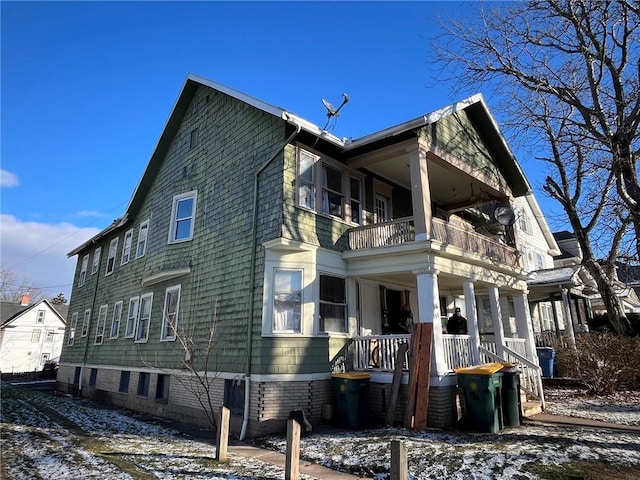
x=9, y=311
x=475, y=107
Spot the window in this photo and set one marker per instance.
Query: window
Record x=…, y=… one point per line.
x=333, y=306
x=95, y=266
x=85, y=322
x=93, y=376
x=287, y=300
x=170, y=317
x=141, y=248
x=132, y=317
x=124, y=381
x=539, y=261
x=35, y=336
x=102, y=319
x=234, y=396
x=45, y=358
x=182, y=217
x=111, y=259
x=126, y=247
x=115, y=320
x=142, y=327
x=40, y=318
x=523, y=222
x=48, y=337
x=327, y=188
x=72, y=328
x=162, y=388
x=193, y=138
x=143, y=384
x=83, y=270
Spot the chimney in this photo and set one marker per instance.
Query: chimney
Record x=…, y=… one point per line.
x=25, y=300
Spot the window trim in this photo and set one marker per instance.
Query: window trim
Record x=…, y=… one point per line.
x=273, y=330
x=100, y=325
x=73, y=325
x=95, y=265
x=113, y=246
x=173, y=227
x=117, y=308
x=133, y=321
x=126, y=247
x=41, y=315
x=49, y=336
x=83, y=270
x=345, y=304
x=170, y=337
x=144, y=226
x=144, y=298
x=86, y=323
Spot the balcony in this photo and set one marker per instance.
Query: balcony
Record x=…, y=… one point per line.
x=402, y=231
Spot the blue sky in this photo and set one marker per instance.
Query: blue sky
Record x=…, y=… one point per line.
x=87, y=88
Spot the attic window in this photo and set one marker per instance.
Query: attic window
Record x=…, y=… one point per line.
x=193, y=138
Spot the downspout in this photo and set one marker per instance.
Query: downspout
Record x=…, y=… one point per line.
x=86, y=345
x=247, y=381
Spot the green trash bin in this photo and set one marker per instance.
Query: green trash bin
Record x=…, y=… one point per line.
x=511, y=405
x=351, y=390
x=482, y=389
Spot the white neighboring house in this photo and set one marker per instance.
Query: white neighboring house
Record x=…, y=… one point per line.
x=30, y=335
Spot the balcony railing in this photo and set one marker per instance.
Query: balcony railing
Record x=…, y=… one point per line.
x=401, y=231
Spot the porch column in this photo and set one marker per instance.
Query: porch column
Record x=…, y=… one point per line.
x=568, y=324
x=429, y=312
x=472, y=319
x=420, y=193
x=496, y=318
x=524, y=326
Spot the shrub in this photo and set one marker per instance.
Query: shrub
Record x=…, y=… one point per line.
x=603, y=361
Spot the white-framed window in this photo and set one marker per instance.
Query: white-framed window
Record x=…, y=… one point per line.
x=328, y=187
x=539, y=261
x=72, y=328
x=170, y=316
x=111, y=259
x=333, y=304
x=115, y=319
x=35, y=335
x=132, y=317
x=102, y=319
x=40, y=317
x=126, y=247
x=142, y=326
x=95, y=266
x=85, y=322
x=143, y=232
x=49, y=334
x=287, y=301
x=523, y=222
x=83, y=270
x=45, y=358
x=182, y=217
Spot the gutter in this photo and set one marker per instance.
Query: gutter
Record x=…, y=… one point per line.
x=247, y=378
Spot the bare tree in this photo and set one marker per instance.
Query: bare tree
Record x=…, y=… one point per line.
x=569, y=75
x=12, y=288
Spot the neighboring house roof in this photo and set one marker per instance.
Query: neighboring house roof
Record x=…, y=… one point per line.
x=555, y=276
x=475, y=107
x=629, y=274
x=9, y=311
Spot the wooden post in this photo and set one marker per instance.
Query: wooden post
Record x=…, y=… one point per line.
x=292, y=458
x=222, y=435
x=419, y=376
x=395, y=385
x=399, y=461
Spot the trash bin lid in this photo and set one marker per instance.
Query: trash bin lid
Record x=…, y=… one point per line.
x=352, y=375
x=485, y=369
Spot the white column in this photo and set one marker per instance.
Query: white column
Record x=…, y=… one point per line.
x=429, y=312
x=420, y=193
x=496, y=319
x=568, y=321
x=524, y=326
x=472, y=319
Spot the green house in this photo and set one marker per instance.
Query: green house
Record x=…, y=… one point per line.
x=259, y=254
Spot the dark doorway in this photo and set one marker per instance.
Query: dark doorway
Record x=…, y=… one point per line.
x=392, y=314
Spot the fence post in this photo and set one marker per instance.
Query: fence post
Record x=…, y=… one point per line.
x=399, y=463
x=222, y=435
x=292, y=459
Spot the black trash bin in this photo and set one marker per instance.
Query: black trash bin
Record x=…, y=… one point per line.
x=545, y=359
x=511, y=404
x=482, y=386
x=351, y=390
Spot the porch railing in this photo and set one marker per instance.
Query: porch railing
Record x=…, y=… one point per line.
x=401, y=231
x=377, y=352
x=457, y=351
x=515, y=344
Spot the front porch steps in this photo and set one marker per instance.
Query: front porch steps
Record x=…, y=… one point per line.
x=529, y=409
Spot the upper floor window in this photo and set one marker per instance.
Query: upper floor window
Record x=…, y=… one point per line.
x=287, y=300
x=96, y=260
x=83, y=270
x=49, y=336
x=115, y=320
x=72, y=328
x=85, y=322
x=141, y=248
x=333, y=304
x=328, y=188
x=170, y=317
x=111, y=259
x=102, y=319
x=182, y=217
x=126, y=247
x=132, y=317
x=144, y=318
x=40, y=318
x=523, y=222
x=35, y=336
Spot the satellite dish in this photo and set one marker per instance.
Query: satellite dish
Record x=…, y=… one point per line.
x=504, y=215
x=331, y=110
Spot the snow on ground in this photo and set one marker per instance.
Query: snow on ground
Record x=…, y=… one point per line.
x=50, y=437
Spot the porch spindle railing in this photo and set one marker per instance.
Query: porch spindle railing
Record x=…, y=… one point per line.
x=378, y=352
x=457, y=351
